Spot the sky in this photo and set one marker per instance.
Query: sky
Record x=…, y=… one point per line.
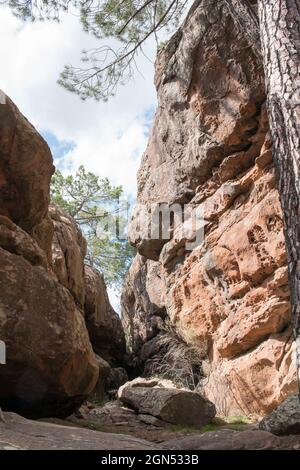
x=107, y=138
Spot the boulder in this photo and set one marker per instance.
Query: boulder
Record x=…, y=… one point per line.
x=285, y=419
x=162, y=400
x=103, y=323
x=26, y=168
x=51, y=366
x=99, y=392
x=117, y=376
x=113, y=416
x=68, y=253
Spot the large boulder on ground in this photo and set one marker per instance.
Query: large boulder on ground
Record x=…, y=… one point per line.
x=285, y=419
x=103, y=323
x=162, y=400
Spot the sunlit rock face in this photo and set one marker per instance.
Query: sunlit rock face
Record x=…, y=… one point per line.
x=209, y=147
x=47, y=322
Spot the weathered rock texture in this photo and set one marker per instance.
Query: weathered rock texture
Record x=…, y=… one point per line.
x=210, y=147
x=228, y=439
x=68, y=252
x=23, y=434
x=87, y=286
x=285, y=419
x=46, y=320
x=25, y=167
x=103, y=323
x=162, y=400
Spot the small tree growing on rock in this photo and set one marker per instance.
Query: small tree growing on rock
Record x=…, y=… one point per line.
x=94, y=204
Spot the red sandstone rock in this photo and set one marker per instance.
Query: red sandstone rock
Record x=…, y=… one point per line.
x=25, y=170
x=68, y=253
x=210, y=146
x=52, y=313
x=102, y=322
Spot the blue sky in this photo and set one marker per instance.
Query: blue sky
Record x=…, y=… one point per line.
x=59, y=149
x=107, y=138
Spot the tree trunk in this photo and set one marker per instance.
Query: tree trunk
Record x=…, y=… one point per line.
x=280, y=39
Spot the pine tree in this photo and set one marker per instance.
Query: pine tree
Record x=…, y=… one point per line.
x=97, y=207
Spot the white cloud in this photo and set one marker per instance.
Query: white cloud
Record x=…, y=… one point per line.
x=109, y=137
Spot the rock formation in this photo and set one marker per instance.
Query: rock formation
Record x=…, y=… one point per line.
x=103, y=323
x=24, y=434
x=210, y=148
x=54, y=312
x=229, y=439
x=285, y=419
x=162, y=400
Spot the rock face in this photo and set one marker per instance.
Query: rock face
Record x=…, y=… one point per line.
x=117, y=376
x=46, y=320
x=24, y=434
x=210, y=149
x=68, y=252
x=167, y=403
x=87, y=286
x=285, y=419
x=103, y=323
x=143, y=303
x=25, y=167
x=227, y=439
x=50, y=362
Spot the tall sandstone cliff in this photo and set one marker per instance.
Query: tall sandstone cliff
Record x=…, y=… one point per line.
x=54, y=311
x=210, y=146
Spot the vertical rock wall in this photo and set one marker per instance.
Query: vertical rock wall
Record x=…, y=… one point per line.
x=209, y=147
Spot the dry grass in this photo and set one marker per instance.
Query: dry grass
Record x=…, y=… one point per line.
x=179, y=361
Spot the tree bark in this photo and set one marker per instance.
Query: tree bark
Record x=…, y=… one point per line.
x=280, y=39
